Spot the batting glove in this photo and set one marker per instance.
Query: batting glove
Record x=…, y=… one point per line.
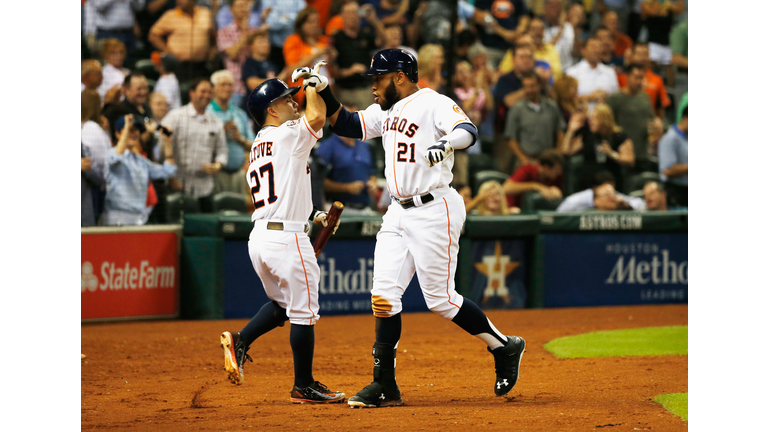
x=438, y=152
x=321, y=219
x=312, y=76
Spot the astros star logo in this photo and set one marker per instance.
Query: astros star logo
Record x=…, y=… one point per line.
x=496, y=267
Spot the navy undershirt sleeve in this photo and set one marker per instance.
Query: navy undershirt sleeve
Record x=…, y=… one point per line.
x=348, y=124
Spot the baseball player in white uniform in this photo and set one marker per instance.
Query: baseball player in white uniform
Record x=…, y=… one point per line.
x=420, y=231
x=279, y=245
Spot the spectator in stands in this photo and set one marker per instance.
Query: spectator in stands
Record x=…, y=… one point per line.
x=509, y=20
x=232, y=44
x=490, y=201
x=601, y=142
x=596, y=80
x=577, y=17
x=258, y=67
x=673, y=161
x=655, y=196
x=473, y=92
x=129, y=174
x=560, y=33
x=608, y=55
x=113, y=53
x=350, y=176
x=186, y=32
x=652, y=83
x=533, y=124
x=393, y=38
x=115, y=19
x=659, y=16
x=168, y=83
x=621, y=42
x=392, y=11
x=478, y=58
x=544, y=51
x=632, y=110
x=94, y=143
x=281, y=21
x=544, y=175
x=353, y=45
x=90, y=185
x=136, y=90
x=507, y=93
x=159, y=106
x=541, y=66
x=431, y=67
x=601, y=196
x=238, y=132
x=619, y=15
x=566, y=89
x=306, y=46
x=224, y=16
x=678, y=43
x=199, y=143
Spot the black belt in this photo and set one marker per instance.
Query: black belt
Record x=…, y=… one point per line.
x=128, y=30
x=408, y=203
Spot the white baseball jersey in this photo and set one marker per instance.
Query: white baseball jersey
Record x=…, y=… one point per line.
x=279, y=175
x=408, y=129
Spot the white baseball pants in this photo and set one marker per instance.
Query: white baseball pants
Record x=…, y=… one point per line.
x=286, y=264
x=422, y=240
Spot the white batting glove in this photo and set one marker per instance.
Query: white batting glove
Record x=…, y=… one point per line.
x=312, y=76
x=321, y=219
x=302, y=72
x=438, y=152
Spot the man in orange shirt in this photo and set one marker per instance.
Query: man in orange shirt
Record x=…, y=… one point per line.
x=652, y=84
x=306, y=46
x=186, y=32
x=621, y=42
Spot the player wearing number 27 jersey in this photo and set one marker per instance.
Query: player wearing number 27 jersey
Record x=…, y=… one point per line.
x=419, y=129
x=279, y=245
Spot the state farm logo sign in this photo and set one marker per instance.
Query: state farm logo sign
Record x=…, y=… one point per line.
x=116, y=277
x=129, y=275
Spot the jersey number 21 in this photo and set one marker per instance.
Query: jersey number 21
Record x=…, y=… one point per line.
x=256, y=184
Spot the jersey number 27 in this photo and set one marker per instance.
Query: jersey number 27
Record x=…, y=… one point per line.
x=256, y=184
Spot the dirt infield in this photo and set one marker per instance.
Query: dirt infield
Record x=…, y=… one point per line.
x=169, y=376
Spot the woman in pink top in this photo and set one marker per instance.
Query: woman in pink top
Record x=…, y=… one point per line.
x=473, y=92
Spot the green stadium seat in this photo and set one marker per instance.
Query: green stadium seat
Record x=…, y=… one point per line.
x=487, y=175
x=229, y=201
x=147, y=68
x=533, y=202
x=177, y=204
x=479, y=162
x=637, y=181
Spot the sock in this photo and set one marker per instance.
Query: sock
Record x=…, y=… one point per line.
x=388, y=329
x=474, y=321
x=303, y=347
x=270, y=316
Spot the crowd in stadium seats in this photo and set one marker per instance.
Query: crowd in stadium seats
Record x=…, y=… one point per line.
x=580, y=104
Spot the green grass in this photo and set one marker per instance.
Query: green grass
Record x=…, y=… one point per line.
x=676, y=403
x=648, y=341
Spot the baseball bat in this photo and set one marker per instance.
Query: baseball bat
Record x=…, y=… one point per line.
x=333, y=216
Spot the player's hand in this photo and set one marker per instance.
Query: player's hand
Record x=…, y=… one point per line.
x=441, y=150
x=321, y=218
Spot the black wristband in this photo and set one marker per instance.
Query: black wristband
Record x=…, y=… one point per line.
x=331, y=104
x=314, y=212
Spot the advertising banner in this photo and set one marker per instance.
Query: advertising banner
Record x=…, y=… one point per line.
x=129, y=274
x=498, y=274
x=615, y=269
x=346, y=279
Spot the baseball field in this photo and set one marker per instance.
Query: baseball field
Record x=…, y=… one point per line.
x=168, y=375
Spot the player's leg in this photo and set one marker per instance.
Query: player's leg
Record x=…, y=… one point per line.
x=299, y=276
x=261, y=248
x=433, y=233
x=392, y=272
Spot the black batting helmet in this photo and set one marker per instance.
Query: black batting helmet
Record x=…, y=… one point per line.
x=266, y=93
x=394, y=60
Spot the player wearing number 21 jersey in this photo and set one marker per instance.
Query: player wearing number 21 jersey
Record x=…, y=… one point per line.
x=279, y=245
x=419, y=129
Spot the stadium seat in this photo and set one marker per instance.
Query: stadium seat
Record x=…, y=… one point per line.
x=479, y=162
x=637, y=181
x=147, y=68
x=486, y=144
x=226, y=201
x=487, y=175
x=177, y=204
x=649, y=164
x=533, y=202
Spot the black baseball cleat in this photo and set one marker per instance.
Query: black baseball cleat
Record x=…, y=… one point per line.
x=235, y=354
x=374, y=395
x=316, y=393
x=507, y=359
